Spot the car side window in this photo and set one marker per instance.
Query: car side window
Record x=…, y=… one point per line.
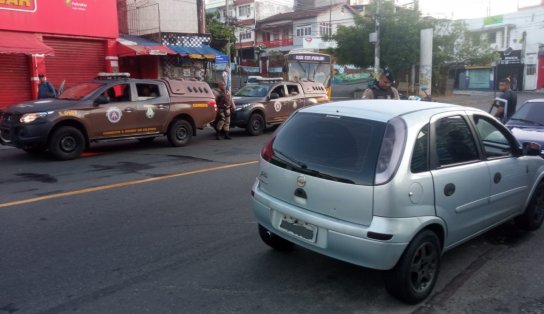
x=454, y=142
x=279, y=90
x=494, y=141
x=293, y=89
x=119, y=93
x=147, y=91
x=420, y=153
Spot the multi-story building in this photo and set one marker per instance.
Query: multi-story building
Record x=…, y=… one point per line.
x=304, y=28
x=244, y=15
x=68, y=41
x=179, y=25
x=519, y=39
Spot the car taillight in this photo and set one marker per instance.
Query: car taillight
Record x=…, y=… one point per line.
x=212, y=103
x=267, y=152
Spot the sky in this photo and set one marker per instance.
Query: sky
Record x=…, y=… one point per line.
x=466, y=9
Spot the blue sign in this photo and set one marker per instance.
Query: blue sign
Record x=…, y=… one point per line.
x=221, y=59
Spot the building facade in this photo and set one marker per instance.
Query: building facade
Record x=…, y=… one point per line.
x=519, y=39
x=67, y=41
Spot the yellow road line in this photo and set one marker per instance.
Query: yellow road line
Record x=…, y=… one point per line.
x=123, y=184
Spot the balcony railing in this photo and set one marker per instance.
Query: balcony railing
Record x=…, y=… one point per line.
x=276, y=43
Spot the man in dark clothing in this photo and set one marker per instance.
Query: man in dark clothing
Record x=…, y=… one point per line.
x=382, y=88
x=225, y=105
x=510, y=97
x=45, y=89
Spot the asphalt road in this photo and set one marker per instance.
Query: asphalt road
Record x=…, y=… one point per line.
x=147, y=228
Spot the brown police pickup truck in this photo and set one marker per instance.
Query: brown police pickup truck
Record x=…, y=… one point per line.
x=267, y=102
x=107, y=109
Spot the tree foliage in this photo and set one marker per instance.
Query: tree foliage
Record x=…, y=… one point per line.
x=400, y=40
x=221, y=33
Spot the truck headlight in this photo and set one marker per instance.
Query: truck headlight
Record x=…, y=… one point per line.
x=241, y=107
x=31, y=117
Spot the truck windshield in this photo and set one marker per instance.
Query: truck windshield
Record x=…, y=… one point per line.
x=79, y=91
x=253, y=91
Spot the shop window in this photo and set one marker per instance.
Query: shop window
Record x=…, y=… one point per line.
x=531, y=69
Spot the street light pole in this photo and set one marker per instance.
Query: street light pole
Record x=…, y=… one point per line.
x=227, y=22
x=377, y=45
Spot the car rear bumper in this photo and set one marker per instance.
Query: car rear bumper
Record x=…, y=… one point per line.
x=339, y=239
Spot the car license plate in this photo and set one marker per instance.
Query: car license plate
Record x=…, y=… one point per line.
x=298, y=228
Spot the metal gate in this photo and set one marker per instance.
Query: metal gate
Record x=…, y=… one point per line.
x=75, y=60
x=15, y=85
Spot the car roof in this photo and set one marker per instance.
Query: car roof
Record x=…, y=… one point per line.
x=536, y=100
x=383, y=110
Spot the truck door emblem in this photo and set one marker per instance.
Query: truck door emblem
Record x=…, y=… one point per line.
x=277, y=106
x=150, y=113
x=114, y=114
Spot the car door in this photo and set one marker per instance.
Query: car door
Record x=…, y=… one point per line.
x=509, y=172
x=152, y=106
x=276, y=108
x=116, y=118
x=461, y=178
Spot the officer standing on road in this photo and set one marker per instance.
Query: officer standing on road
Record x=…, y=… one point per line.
x=225, y=105
x=510, y=97
x=45, y=89
x=382, y=88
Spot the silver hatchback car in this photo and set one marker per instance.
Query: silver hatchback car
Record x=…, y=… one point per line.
x=391, y=185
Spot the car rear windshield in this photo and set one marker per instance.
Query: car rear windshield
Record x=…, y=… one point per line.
x=337, y=148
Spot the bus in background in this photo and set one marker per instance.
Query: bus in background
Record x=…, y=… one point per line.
x=310, y=66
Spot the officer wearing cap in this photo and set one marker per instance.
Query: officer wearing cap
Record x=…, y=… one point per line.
x=382, y=88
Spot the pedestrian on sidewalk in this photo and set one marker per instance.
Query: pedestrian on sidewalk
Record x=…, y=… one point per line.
x=226, y=78
x=45, y=89
x=511, y=101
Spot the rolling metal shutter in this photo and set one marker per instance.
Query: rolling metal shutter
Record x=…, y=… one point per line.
x=15, y=85
x=75, y=60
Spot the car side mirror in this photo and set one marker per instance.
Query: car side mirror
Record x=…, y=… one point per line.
x=274, y=96
x=101, y=100
x=531, y=149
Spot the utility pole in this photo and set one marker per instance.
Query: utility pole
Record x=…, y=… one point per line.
x=227, y=22
x=377, y=45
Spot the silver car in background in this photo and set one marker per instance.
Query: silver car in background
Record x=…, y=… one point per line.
x=392, y=185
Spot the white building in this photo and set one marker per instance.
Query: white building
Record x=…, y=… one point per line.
x=519, y=37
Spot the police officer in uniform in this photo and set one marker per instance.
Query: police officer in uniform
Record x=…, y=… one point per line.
x=225, y=105
x=382, y=88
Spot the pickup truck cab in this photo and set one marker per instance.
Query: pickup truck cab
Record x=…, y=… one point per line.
x=108, y=109
x=269, y=102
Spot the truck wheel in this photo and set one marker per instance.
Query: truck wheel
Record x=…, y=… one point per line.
x=66, y=143
x=414, y=276
x=255, y=125
x=533, y=216
x=180, y=133
x=274, y=241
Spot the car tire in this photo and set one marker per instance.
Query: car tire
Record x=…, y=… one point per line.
x=414, y=276
x=533, y=216
x=66, y=143
x=274, y=241
x=180, y=133
x=146, y=139
x=35, y=149
x=255, y=125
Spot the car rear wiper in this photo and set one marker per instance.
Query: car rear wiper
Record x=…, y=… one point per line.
x=527, y=121
x=291, y=160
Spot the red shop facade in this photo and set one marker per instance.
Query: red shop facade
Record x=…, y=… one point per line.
x=68, y=41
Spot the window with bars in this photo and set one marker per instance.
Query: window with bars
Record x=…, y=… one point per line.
x=304, y=30
x=325, y=29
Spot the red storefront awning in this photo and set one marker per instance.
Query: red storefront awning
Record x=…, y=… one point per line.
x=129, y=45
x=27, y=43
